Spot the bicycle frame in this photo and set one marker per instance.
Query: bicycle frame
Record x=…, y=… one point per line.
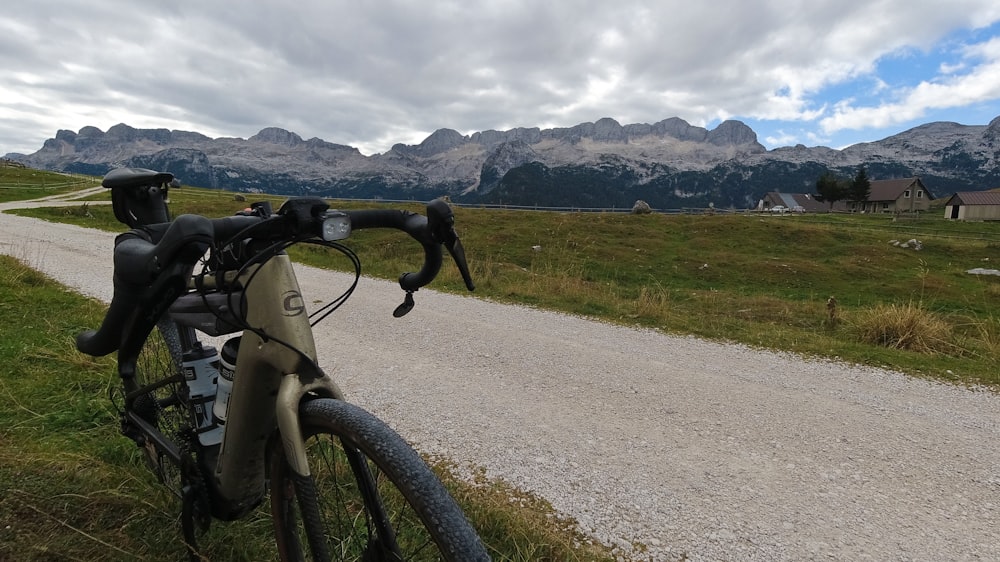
x=270, y=382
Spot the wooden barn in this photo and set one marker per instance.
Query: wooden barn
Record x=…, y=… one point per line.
x=973, y=206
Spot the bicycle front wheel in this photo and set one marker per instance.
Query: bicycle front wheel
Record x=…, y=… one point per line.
x=370, y=496
x=157, y=369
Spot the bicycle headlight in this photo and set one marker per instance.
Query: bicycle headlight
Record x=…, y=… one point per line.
x=336, y=226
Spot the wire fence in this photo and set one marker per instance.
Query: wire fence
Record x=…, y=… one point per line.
x=907, y=224
x=71, y=181
x=566, y=209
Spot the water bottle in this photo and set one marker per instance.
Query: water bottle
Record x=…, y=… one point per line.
x=201, y=370
x=227, y=370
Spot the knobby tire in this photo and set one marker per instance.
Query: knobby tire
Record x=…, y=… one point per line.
x=358, y=464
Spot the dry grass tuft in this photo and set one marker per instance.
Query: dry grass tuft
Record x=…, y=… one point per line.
x=905, y=326
x=653, y=301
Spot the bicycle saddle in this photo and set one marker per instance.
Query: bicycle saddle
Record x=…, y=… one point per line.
x=135, y=177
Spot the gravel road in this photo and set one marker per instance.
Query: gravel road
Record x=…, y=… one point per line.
x=696, y=450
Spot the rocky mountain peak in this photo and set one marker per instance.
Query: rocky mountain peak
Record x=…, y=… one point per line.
x=90, y=132
x=490, y=138
x=732, y=133
x=680, y=130
x=441, y=140
x=276, y=135
x=607, y=129
x=505, y=157
x=122, y=133
x=65, y=135
x=992, y=134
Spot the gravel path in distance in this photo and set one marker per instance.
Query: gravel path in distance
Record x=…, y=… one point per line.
x=693, y=450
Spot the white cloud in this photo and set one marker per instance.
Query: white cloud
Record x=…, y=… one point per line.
x=374, y=73
x=946, y=68
x=781, y=139
x=981, y=83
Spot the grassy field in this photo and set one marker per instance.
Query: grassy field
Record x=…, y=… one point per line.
x=760, y=280
x=74, y=489
x=17, y=184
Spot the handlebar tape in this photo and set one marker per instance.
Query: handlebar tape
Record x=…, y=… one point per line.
x=226, y=228
x=138, y=261
x=413, y=224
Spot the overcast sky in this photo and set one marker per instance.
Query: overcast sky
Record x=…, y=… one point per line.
x=373, y=73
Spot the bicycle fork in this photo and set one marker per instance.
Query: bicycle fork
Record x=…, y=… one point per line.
x=290, y=396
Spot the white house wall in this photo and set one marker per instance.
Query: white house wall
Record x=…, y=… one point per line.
x=974, y=212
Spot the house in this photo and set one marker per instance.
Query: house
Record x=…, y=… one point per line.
x=973, y=206
x=885, y=196
x=905, y=195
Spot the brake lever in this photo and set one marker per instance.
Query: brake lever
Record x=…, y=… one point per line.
x=454, y=247
x=441, y=221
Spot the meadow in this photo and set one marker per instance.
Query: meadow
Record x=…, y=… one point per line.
x=18, y=184
x=757, y=279
x=75, y=490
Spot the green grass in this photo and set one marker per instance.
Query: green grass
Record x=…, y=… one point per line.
x=74, y=489
x=758, y=280
x=17, y=184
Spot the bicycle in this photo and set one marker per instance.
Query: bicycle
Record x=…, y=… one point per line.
x=224, y=431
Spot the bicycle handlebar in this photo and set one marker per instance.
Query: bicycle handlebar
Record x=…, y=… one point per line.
x=143, y=256
x=416, y=226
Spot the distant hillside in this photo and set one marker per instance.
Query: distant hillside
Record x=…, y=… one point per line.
x=669, y=164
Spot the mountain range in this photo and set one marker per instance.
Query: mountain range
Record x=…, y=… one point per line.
x=669, y=164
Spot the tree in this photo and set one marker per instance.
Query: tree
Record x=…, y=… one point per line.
x=860, y=188
x=829, y=189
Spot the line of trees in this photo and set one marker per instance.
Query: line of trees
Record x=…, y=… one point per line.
x=830, y=188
